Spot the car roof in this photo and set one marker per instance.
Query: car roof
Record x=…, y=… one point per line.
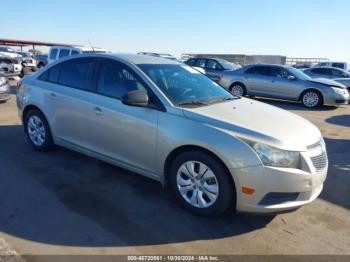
x=143, y=59
x=328, y=67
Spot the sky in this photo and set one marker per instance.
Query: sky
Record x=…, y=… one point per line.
x=294, y=28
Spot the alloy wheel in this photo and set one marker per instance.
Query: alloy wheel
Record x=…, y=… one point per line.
x=311, y=99
x=237, y=90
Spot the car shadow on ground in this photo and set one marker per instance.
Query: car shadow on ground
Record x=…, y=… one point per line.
x=340, y=120
x=65, y=198
x=337, y=185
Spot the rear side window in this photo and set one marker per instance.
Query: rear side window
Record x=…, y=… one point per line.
x=212, y=64
x=115, y=80
x=74, y=52
x=63, y=53
x=77, y=73
x=53, y=54
x=200, y=63
x=259, y=70
x=318, y=71
x=338, y=65
x=190, y=62
x=51, y=75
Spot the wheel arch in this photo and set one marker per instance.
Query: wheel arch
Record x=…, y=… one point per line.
x=30, y=107
x=311, y=89
x=186, y=148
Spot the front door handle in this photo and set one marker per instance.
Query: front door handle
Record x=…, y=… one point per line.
x=53, y=95
x=98, y=110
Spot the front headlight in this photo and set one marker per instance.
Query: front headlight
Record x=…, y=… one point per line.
x=340, y=90
x=271, y=156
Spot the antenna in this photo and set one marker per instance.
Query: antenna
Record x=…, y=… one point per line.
x=93, y=50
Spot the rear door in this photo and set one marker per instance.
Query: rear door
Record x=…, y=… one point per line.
x=213, y=69
x=258, y=80
x=69, y=92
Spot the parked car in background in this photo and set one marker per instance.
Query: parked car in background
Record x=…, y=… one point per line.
x=214, y=67
x=57, y=52
x=302, y=66
x=4, y=89
x=167, y=121
x=341, y=65
x=42, y=60
x=166, y=56
x=284, y=82
x=337, y=74
x=6, y=51
x=11, y=66
x=28, y=62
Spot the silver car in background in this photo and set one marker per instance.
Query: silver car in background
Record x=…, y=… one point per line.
x=284, y=82
x=336, y=74
x=165, y=120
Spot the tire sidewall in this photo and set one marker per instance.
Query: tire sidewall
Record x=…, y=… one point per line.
x=48, y=137
x=226, y=189
x=244, y=91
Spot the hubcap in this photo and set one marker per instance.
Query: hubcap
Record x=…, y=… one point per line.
x=197, y=184
x=310, y=99
x=237, y=90
x=36, y=130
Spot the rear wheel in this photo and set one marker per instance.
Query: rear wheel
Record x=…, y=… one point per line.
x=312, y=99
x=201, y=183
x=238, y=89
x=38, y=130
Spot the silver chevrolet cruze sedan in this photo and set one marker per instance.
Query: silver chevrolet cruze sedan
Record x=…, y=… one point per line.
x=167, y=121
x=284, y=82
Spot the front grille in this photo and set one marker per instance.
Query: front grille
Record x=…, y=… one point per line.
x=320, y=162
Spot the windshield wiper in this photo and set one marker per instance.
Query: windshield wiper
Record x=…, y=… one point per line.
x=192, y=103
x=223, y=99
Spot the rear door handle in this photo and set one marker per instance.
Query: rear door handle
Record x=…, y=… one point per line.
x=98, y=110
x=53, y=95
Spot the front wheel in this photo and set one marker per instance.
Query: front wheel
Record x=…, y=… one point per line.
x=201, y=183
x=312, y=99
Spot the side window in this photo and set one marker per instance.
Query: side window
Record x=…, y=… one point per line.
x=337, y=73
x=63, y=53
x=77, y=73
x=51, y=75
x=338, y=65
x=212, y=64
x=74, y=52
x=276, y=72
x=53, y=54
x=200, y=63
x=259, y=70
x=115, y=80
x=318, y=71
x=190, y=62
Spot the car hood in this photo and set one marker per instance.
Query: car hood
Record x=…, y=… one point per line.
x=256, y=121
x=327, y=82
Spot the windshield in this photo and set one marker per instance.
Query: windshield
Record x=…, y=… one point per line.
x=226, y=64
x=184, y=85
x=299, y=74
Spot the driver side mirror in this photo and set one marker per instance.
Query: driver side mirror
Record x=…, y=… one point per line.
x=136, y=98
x=291, y=78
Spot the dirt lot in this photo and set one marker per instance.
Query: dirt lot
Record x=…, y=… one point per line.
x=65, y=203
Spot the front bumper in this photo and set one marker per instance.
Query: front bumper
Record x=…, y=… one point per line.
x=336, y=99
x=281, y=189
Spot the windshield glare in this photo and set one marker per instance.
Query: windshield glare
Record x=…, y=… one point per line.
x=299, y=74
x=182, y=84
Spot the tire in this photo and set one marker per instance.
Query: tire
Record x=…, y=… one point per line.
x=206, y=203
x=312, y=99
x=38, y=131
x=238, y=89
